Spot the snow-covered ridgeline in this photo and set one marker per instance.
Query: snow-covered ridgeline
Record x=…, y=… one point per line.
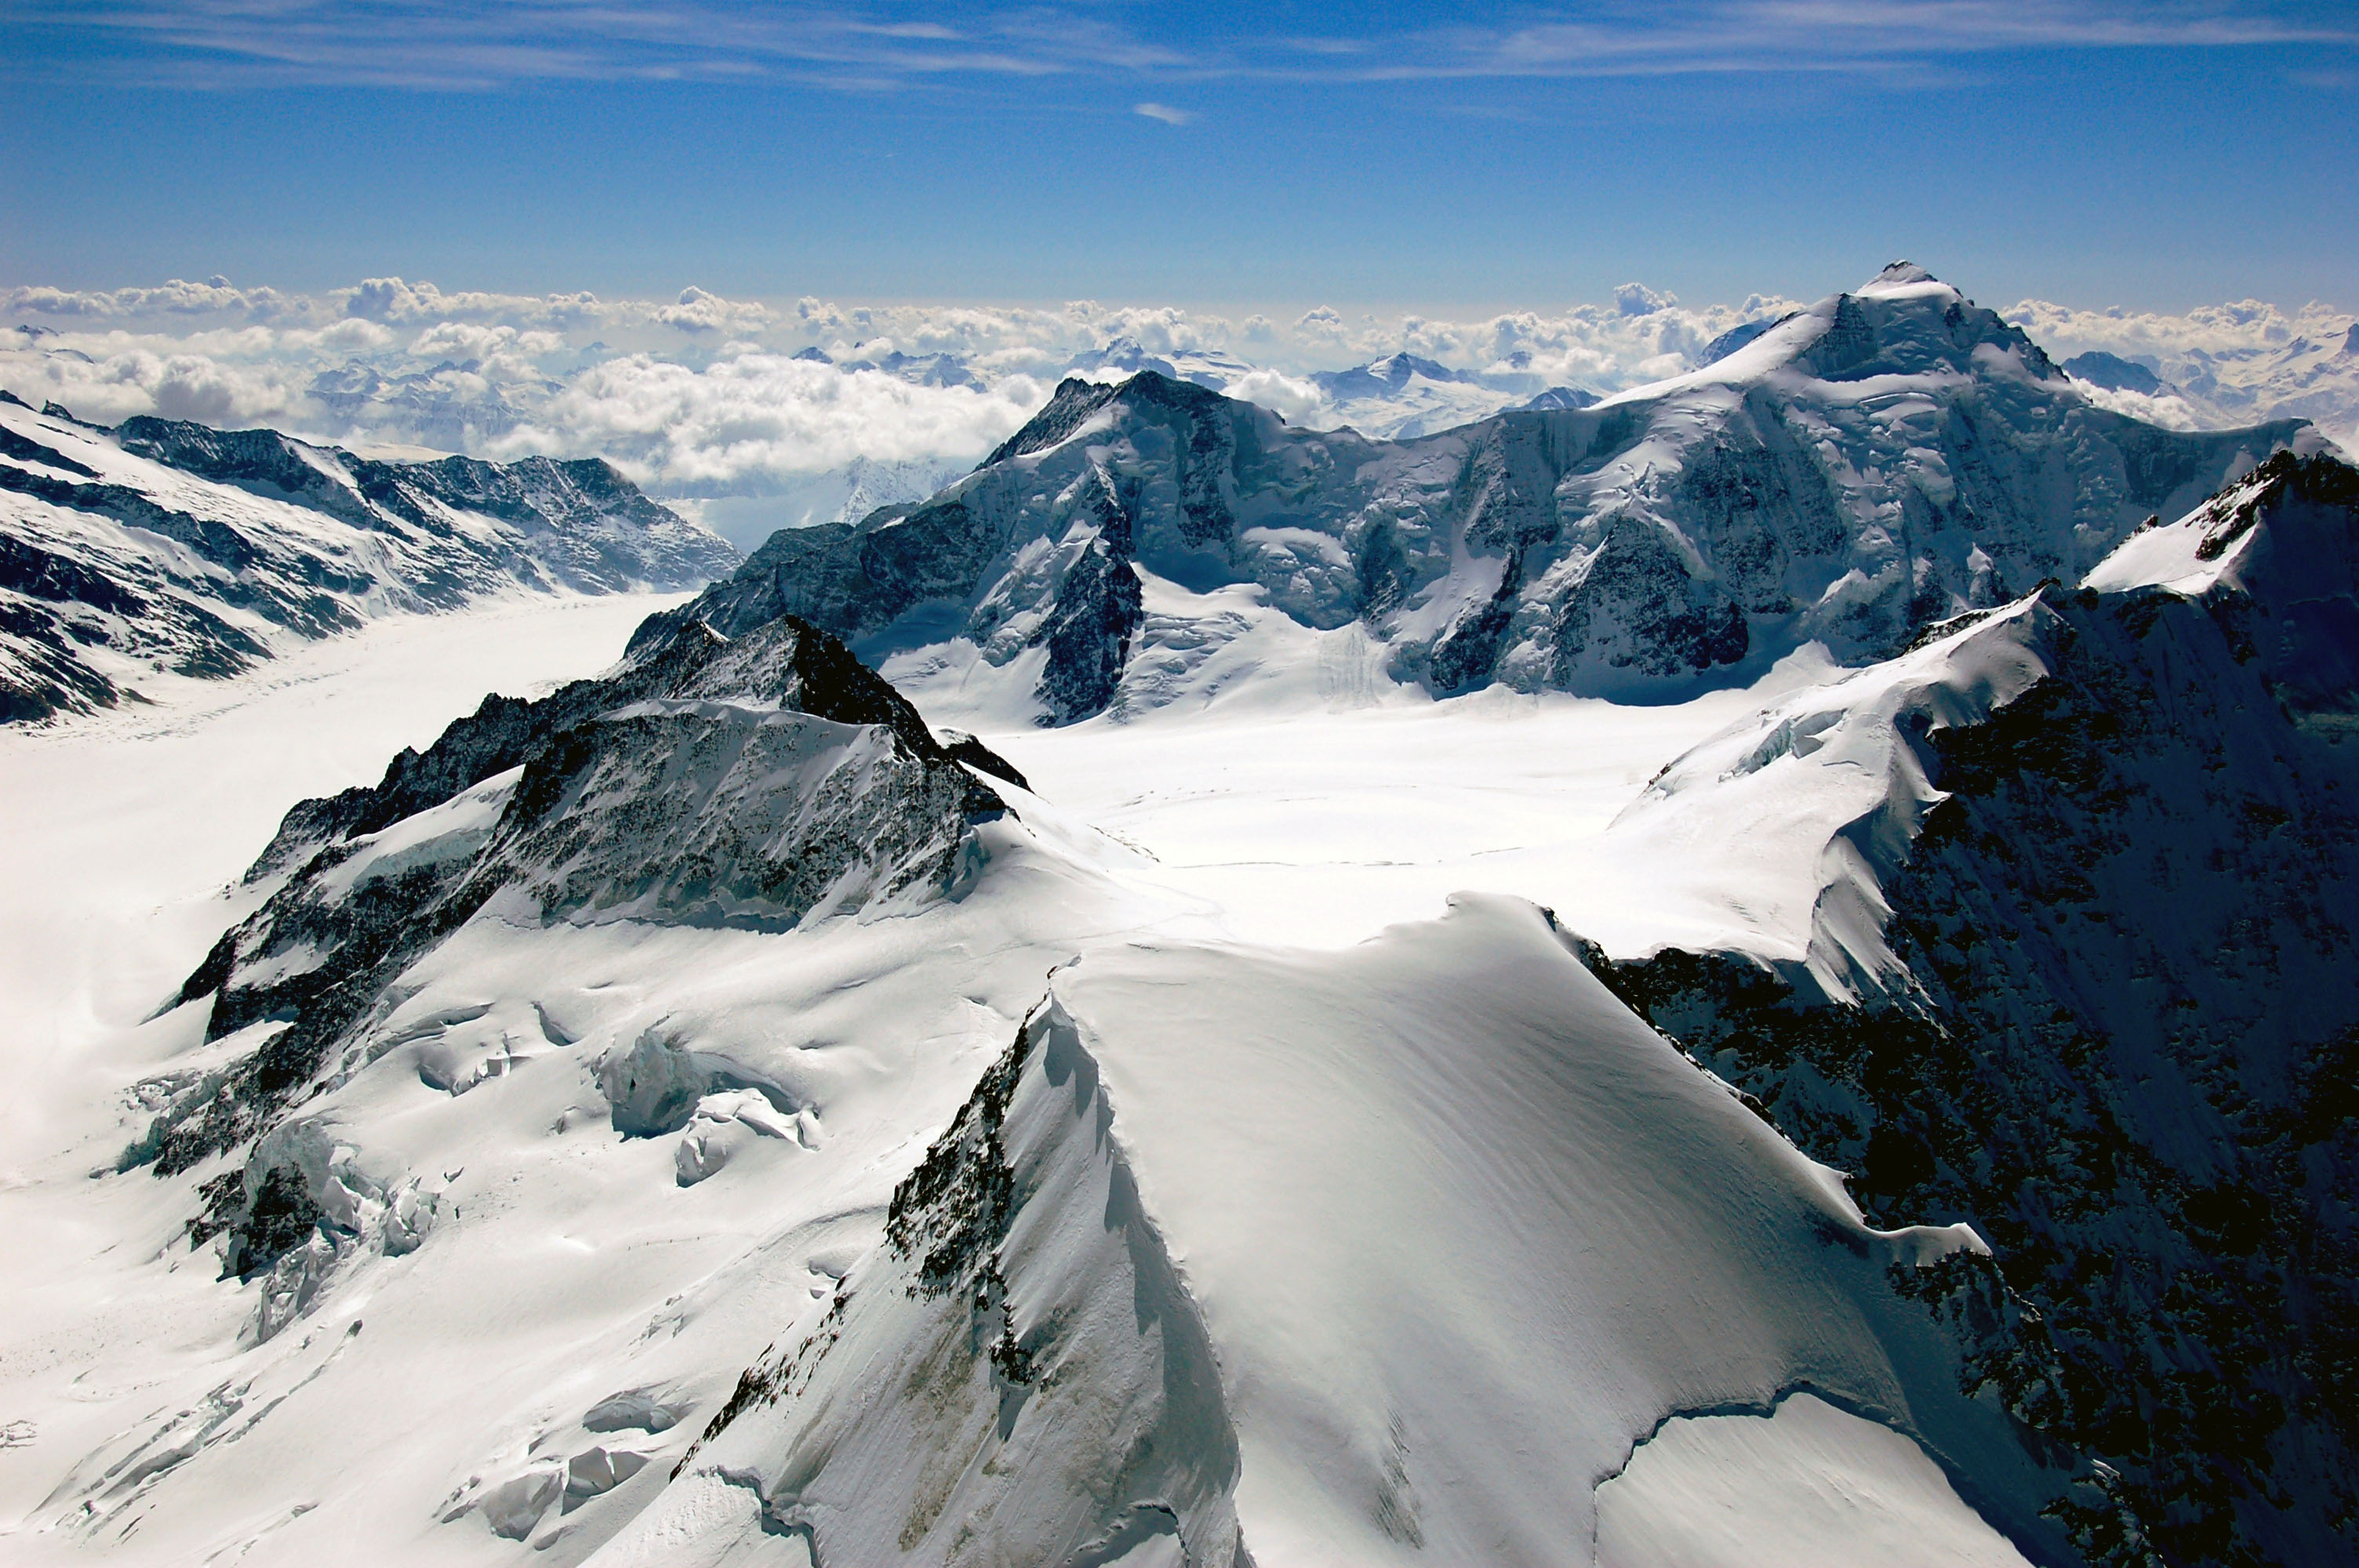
x=633, y=1147
x=635, y=1144
x=1369, y=1256
x=135, y=557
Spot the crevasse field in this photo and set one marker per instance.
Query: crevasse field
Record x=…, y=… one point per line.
x=1555, y=1297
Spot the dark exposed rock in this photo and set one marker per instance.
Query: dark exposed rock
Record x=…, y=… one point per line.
x=1467, y=653
x=977, y=755
x=1089, y=634
x=281, y=1216
x=31, y=570
x=1074, y=401
x=1736, y=337
x=964, y=1340
x=168, y=572
x=583, y=524
x=2123, y=1051
x=26, y=450
x=788, y=661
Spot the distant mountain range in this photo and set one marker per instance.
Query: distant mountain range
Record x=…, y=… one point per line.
x=161, y=549
x=1852, y=474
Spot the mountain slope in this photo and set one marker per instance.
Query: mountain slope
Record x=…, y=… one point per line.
x=162, y=548
x=1381, y=1256
x=706, y=784
x=685, y=1119
x=621, y=1028
x=690, y=959
x=2080, y=977
x=1852, y=474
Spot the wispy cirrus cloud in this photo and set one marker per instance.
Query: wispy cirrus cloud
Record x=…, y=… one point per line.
x=456, y=45
x=1752, y=36
x=446, y=44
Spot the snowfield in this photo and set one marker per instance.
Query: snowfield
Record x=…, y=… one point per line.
x=704, y=1116
x=538, y=1315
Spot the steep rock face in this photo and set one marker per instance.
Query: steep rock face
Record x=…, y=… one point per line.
x=164, y=545
x=2099, y=1006
x=754, y=783
x=1853, y=474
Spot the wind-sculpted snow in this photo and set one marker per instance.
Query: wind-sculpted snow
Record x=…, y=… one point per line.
x=1388, y=1254
x=754, y=784
x=1016, y=1376
x=165, y=549
x=1852, y=474
x=2079, y=976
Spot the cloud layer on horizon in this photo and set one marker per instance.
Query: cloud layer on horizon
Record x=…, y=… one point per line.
x=707, y=399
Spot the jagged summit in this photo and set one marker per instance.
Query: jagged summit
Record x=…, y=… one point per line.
x=1900, y=274
x=2086, y=870
x=735, y=1143
x=2277, y=554
x=710, y=781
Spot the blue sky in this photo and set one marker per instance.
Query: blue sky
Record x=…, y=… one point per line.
x=1467, y=158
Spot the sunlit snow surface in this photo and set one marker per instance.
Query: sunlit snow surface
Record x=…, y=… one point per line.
x=1810, y=1486
x=583, y=1302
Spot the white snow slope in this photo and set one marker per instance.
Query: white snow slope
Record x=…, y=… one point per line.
x=1422, y=1237
x=1401, y=1233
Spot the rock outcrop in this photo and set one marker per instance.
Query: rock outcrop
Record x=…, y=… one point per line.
x=755, y=783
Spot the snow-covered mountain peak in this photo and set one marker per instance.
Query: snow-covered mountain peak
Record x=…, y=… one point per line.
x=2079, y=877
x=1121, y=356
x=771, y=1240
x=1908, y=323
x=1854, y=474
x=1898, y=276
x=2232, y=539
x=748, y=782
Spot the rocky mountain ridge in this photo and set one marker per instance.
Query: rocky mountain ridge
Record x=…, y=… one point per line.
x=162, y=548
x=2081, y=980
x=2034, y=1153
